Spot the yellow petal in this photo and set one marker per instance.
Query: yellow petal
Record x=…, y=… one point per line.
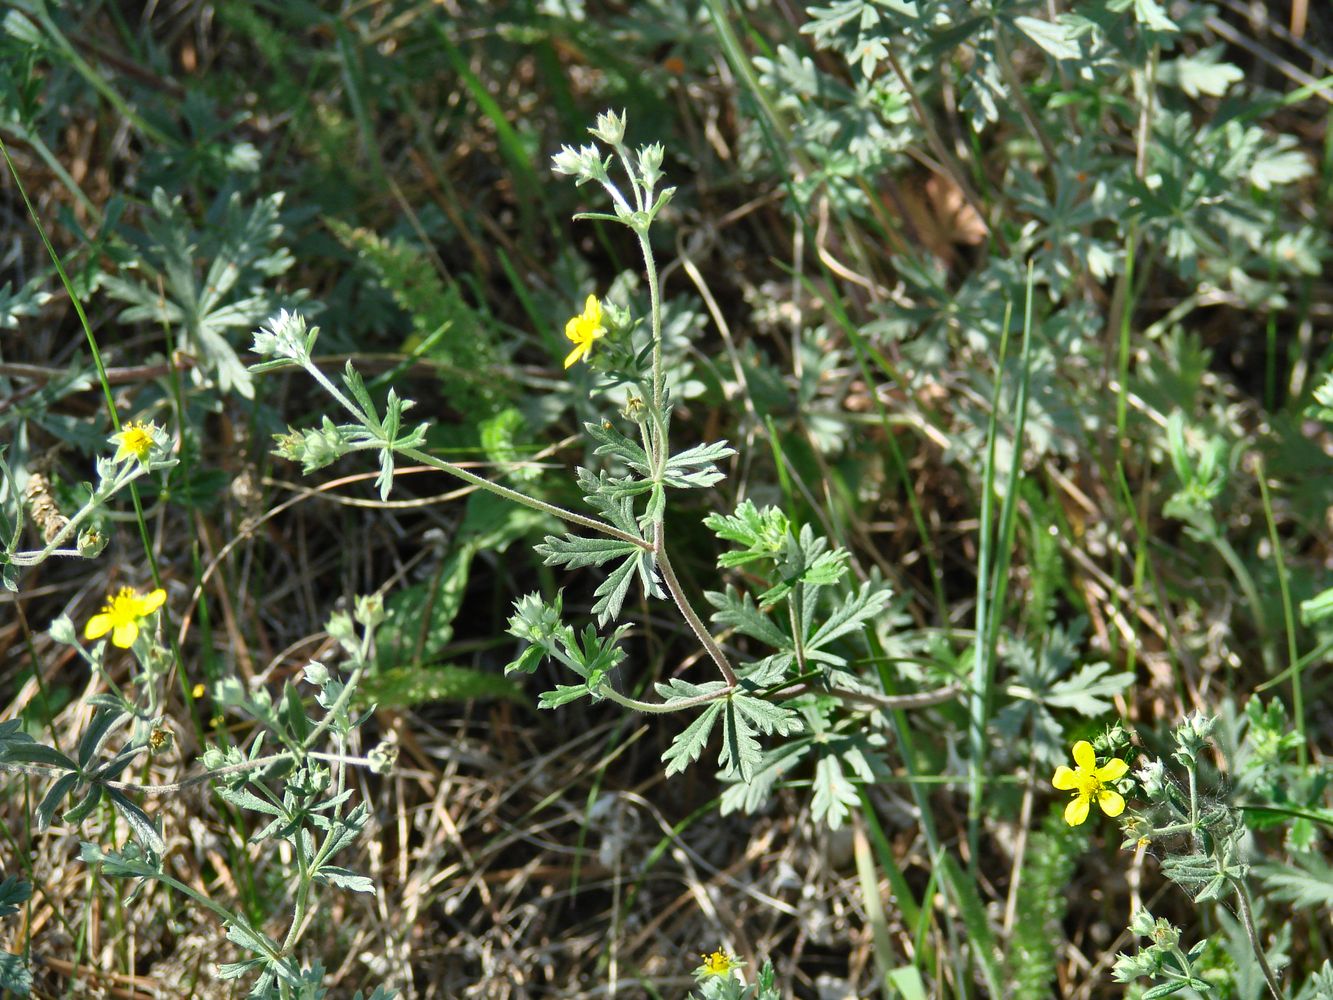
x=1113, y=770
x=572, y=329
x=1084, y=756
x=151, y=602
x=1111, y=802
x=1077, y=811
x=592, y=310
x=575, y=354
x=125, y=634
x=98, y=626
x=1064, y=779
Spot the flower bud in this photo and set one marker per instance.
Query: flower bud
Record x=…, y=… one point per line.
x=610, y=128
x=91, y=543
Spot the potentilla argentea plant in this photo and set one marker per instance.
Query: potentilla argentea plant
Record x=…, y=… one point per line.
x=806, y=615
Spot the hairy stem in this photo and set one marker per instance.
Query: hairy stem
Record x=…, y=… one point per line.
x=688, y=613
x=522, y=498
x=1252, y=932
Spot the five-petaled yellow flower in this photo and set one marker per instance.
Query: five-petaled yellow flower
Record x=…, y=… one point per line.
x=719, y=963
x=135, y=440
x=122, y=614
x=584, y=329
x=1088, y=782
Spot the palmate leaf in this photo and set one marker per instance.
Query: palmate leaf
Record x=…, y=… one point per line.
x=612, y=442
x=1307, y=882
x=145, y=830
x=611, y=593
x=13, y=891
x=231, y=295
x=53, y=797
x=345, y=878
x=590, y=656
x=687, y=746
x=1058, y=39
x=806, y=559
x=577, y=552
x=693, y=468
x=760, y=533
x=1089, y=691
x=14, y=975
x=868, y=601
x=834, y=796
x=744, y=716
x=738, y=611
x=748, y=796
x=602, y=489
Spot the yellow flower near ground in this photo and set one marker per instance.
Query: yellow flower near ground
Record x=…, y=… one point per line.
x=135, y=440
x=719, y=963
x=1088, y=781
x=122, y=614
x=584, y=329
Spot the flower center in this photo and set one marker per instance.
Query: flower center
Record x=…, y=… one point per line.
x=1088, y=783
x=138, y=440
x=124, y=606
x=717, y=963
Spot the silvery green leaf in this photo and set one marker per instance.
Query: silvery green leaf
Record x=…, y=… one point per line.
x=687, y=746
x=760, y=533
x=747, y=796
x=248, y=938
x=130, y=862
x=245, y=799
x=13, y=891
x=1317, y=608
x=348, y=829
x=145, y=830
x=52, y=799
x=858, y=608
x=1279, y=161
x=104, y=721
x=740, y=750
x=1306, y=883
x=80, y=811
x=694, y=467
x=235, y=970
x=834, y=795
x=31, y=752
x=14, y=975
x=1088, y=692
x=344, y=878
x=678, y=689
x=1151, y=14
x=1201, y=72
x=617, y=444
x=1056, y=39
x=563, y=695
x=611, y=592
x=738, y=611
x=577, y=552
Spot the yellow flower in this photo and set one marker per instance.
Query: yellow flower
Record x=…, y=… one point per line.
x=122, y=614
x=584, y=329
x=197, y=692
x=1089, y=781
x=135, y=440
x=719, y=963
